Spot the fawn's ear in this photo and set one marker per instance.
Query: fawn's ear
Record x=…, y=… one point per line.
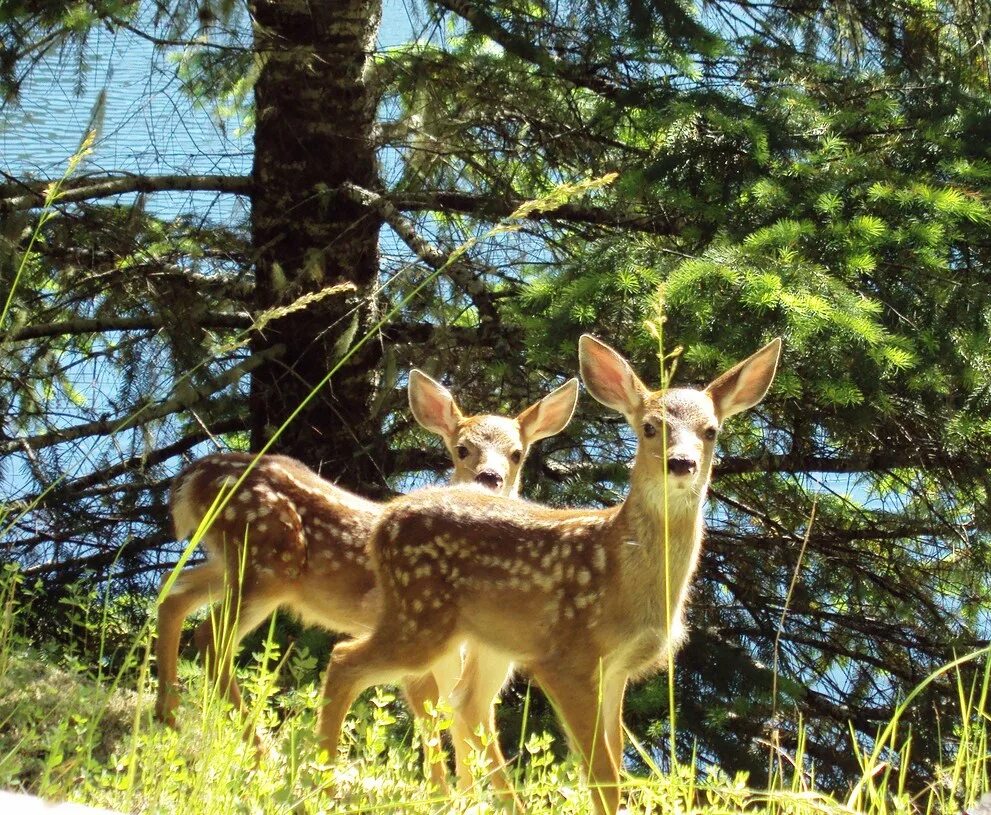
x=745, y=384
x=433, y=406
x=609, y=377
x=550, y=415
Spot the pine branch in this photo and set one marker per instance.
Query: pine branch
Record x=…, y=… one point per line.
x=65, y=571
x=31, y=194
x=523, y=48
x=494, y=208
x=147, y=414
x=70, y=489
x=166, y=42
x=462, y=336
x=458, y=273
x=86, y=325
x=868, y=463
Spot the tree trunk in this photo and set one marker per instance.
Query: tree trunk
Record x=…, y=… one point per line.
x=315, y=114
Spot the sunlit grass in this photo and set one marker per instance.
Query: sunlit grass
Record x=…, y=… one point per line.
x=65, y=735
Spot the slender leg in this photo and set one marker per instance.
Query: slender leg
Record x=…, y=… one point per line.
x=386, y=655
x=192, y=589
x=613, y=693
x=419, y=691
x=483, y=677
x=220, y=634
x=576, y=699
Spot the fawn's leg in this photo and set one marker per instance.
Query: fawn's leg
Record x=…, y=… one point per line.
x=613, y=693
x=575, y=695
x=419, y=691
x=227, y=624
x=386, y=655
x=192, y=588
x=484, y=674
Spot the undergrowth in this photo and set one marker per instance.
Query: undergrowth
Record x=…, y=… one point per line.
x=71, y=731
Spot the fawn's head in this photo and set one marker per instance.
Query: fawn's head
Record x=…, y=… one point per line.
x=676, y=428
x=489, y=450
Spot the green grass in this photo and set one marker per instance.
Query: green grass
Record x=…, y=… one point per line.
x=72, y=731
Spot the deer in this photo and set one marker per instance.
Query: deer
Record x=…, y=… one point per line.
x=286, y=537
x=583, y=600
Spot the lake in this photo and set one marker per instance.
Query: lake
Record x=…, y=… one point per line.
x=149, y=124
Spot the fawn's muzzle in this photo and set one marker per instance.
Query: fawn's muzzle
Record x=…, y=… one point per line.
x=489, y=479
x=681, y=466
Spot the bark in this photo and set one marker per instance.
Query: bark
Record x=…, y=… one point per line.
x=315, y=115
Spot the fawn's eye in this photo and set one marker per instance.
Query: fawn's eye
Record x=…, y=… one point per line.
x=516, y=456
x=649, y=430
x=710, y=433
x=462, y=451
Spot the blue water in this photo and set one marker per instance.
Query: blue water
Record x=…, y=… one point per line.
x=149, y=124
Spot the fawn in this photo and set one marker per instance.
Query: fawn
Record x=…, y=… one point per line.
x=289, y=538
x=583, y=600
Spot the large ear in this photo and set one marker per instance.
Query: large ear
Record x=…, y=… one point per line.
x=551, y=414
x=609, y=377
x=745, y=384
x=433, y=406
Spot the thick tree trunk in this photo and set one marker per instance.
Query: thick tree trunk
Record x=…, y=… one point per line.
x=313, y=133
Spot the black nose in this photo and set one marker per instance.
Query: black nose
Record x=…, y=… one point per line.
x=490, y=479
x=681, y=466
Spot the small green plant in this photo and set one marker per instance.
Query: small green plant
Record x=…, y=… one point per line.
x=68, y=733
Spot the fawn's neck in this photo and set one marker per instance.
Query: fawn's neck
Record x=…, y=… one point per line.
x=660, y=540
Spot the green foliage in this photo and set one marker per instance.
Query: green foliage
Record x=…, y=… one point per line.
x=68, y=736
x=818, y=171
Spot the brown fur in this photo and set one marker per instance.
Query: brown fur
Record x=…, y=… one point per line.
x=287, y=537
x=583, y=600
